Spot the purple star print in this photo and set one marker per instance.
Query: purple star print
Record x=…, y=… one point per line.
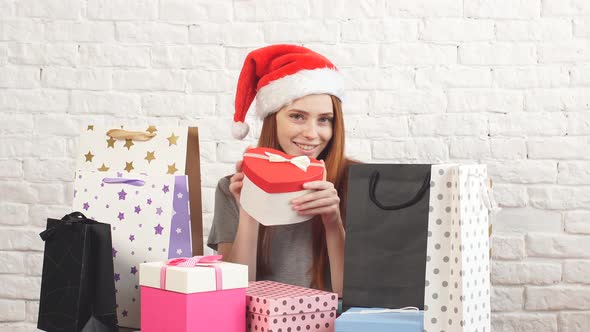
x=122, y=195
x=121, y=216
x=159, y=229
x=159, y=211
x=115, y=252
x=137, y=209
x=166, y=189
x=124, y=313
x=133, y=270
x=149, y=201
x=117, y=277
x=131, y=237
x=86, y=206
x=119, y=174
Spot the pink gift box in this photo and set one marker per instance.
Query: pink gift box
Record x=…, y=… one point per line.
x=198, y=298
x=277, y=307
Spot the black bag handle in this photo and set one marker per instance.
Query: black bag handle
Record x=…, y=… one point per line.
x=67, y=220
x=373, y=186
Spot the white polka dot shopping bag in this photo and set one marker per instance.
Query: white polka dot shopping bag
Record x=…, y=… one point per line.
x=418, y=235
x=457, y=284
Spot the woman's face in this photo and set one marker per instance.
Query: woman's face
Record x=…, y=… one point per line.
x=304, y=127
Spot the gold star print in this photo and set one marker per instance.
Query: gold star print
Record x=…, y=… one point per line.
x=172, y=169
x=151, y=129
x=128, y=143
x=103, y=168
x=172, y=139
x=90, y=127
x=150, y=156
x=89, y=156
x=128, y=167
x=111, y=143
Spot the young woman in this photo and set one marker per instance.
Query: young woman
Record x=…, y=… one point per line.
x=298, y=94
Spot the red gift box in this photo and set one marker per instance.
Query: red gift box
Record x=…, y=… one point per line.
x=278, y=307
x=271, y=180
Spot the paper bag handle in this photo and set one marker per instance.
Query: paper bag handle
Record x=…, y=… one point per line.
x=373, y=186
x=132, y=182
x=134, y=135
x=67, y=220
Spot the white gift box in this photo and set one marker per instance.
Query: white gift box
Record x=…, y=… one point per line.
x=200, y=278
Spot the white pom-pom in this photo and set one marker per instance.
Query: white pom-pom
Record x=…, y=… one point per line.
x=239, y=130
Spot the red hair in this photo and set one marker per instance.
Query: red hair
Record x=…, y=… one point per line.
x=336, y=169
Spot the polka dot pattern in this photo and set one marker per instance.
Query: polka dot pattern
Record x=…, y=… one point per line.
x=457, y=291
x=278, y=307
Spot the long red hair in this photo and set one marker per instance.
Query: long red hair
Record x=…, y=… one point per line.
x=336, y=168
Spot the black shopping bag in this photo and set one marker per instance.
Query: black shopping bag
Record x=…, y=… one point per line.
x=386, y=235
x=77, y=285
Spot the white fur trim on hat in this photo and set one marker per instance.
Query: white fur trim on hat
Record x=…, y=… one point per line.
x=239, y=130
x=276, y=94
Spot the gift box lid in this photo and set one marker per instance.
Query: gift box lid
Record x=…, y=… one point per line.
x=270, y=298
x=200, y=278
x=380, y=320
x=276, y=172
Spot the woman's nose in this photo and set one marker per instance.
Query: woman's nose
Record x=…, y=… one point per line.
x=310, y=131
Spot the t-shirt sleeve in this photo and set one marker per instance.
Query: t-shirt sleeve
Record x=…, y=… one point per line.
x=225, y=216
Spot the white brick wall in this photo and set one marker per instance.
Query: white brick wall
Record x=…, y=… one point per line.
x=504, y=82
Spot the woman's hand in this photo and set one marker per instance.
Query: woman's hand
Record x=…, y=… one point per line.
x=323, y=200
x=236, y=182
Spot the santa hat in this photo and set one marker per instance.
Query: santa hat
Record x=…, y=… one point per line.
x=279, y=74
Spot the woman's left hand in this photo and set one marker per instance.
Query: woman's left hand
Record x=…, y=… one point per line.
x=323, y=200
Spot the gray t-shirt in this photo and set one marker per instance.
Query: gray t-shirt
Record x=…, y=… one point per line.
x=291, y=246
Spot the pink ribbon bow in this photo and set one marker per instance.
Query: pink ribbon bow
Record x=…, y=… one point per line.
x=205, y=261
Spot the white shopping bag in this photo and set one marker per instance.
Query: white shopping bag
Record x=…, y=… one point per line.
x=150, y=221
x=151, y=150
x=457, y=290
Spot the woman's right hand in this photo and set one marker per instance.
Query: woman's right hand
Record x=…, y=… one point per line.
x=235, y=182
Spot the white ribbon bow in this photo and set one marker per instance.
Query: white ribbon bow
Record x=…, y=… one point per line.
x=383, y=311
x=302, y=162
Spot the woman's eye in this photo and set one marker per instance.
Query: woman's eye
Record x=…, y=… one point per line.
x=326, y=119
x=296, y=116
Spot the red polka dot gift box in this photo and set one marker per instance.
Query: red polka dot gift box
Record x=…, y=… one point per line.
x=277, y=307
x=271, y=180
